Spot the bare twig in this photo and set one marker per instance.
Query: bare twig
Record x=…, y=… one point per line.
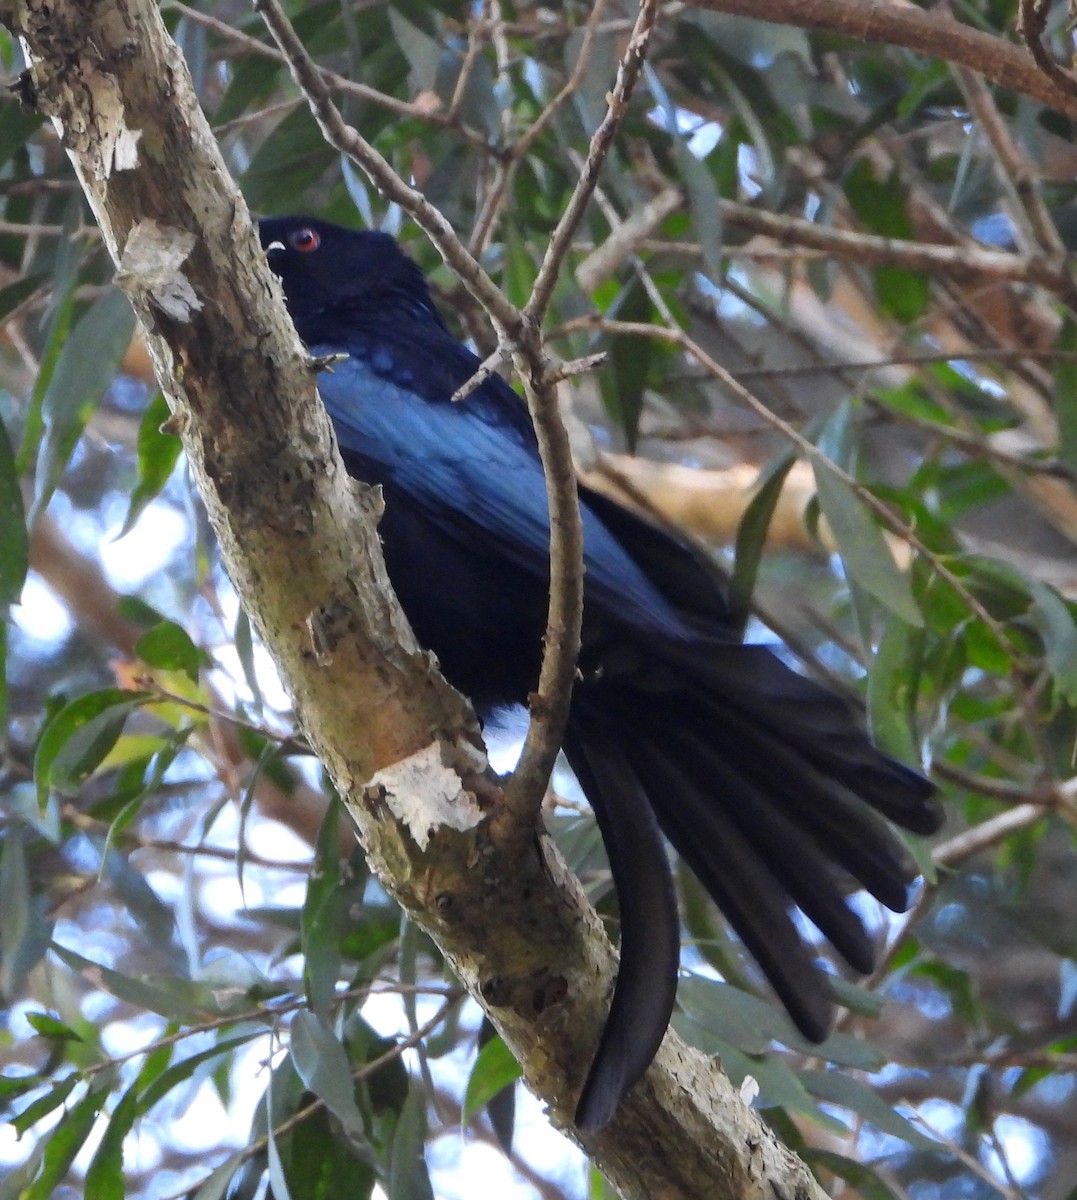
x=490, y=365
x=627, y=74
x=494, y=194
x=1015, y=173
x=933, y=33
x=476, y=39
x=868, y=249
x=566, y=530
x=583, y=60
x=1032, y=21
x=340, y=83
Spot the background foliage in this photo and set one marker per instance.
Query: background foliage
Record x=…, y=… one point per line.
x=203, y=989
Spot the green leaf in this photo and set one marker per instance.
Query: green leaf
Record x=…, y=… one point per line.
x=157, y=455
x=64, y=1143
x=25, y=931
x=58, y=314
x=1055, y=624
x=43, y=1105
x=17, y=126
x=3, y=673
x=881, y=205
x=422, y=52
x=104, y=1176
x=278, y=1183
x=174, y=999
x=215, y=1185
x=49, y=1027
x=408, y=1177
x=14, y=1085
x=244, y=644
x=752, y=1024
x=494, y=1070
x=86, y=366
x=893, y=684
x=323, y=915
x=837, y=1087
x=868, y=1185
x=322, y=1064
x=181, y=1071
x=77, y=739
x=14, y=544
x=862, y=546
x=752, y=537
x=168, y=647
x=624, y=384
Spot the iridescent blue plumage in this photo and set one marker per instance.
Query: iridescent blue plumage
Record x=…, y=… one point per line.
x=760, y=777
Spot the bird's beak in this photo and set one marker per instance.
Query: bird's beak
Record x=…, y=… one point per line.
x=275, y=246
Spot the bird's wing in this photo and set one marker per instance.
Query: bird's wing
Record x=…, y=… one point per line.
x=477, y=475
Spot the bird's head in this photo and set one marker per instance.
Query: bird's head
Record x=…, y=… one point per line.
x=328, y=271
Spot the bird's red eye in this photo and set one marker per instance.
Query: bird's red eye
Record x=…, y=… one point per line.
x=305, y=240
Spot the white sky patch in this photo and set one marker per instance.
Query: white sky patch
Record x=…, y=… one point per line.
x=1025, y=1148
x=39, y=614
x=146, y=550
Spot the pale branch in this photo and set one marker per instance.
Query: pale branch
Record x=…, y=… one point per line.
x=931, y=33
x=866, y=249
x=869, y=249
x=987, y=834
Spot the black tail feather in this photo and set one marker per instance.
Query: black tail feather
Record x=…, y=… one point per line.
x=772, y=796
x=743, y=887
x=650, y=929
x=805, y=871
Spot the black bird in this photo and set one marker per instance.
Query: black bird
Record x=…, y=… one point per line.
x=760, y=777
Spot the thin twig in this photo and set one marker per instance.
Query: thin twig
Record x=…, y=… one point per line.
x=288, y=743
x=475, y=40
x=628, y=72
x=1032, y=21
x=340, y=83
x=868, y=249
x=1015, y=172
x=137, y=841
x=934, y=33
x=583, y=61
x=907, y=534
x=550, y=715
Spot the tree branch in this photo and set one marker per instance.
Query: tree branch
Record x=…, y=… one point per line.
x=928, y=33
